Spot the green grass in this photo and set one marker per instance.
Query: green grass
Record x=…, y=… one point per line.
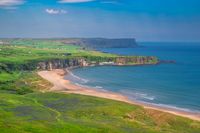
x=25, y=51
x=20, y=54
x=70, y=113
x=22, y=82
x=7, y=77
x=43, y=44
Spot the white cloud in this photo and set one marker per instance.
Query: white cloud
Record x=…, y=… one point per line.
x=54, y=11
x=74, y=1
x=9, y=3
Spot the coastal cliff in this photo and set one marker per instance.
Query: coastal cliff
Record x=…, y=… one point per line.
x=59, y=63
x=96, y=61
x=33, y=54
x=80, y=62
x=101, y=42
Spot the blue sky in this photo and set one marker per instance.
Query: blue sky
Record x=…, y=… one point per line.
x=145, y=20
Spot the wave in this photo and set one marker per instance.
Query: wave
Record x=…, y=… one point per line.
x=137, y=95
x=142, y=97
x=98, y=87
x=82, y=80
x=81, y=85
x=94, y=87
x=172, y=107
x=176, y=108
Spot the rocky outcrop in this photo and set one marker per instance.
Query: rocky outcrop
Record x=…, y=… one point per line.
x=83, y=62
x=59, y=63
x=79, y=62
x=136, y=60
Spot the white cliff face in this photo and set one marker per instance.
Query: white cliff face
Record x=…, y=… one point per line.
x=84, y=62
x=59, y=64
x=107, y=63
x=80, y=62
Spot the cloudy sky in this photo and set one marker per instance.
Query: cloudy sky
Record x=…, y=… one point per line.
x=145, y=20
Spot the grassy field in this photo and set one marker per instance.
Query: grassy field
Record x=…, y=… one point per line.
x=26, y=106
x=22, y=51
x=70, y=113
x=42, y=44
x=22, y=82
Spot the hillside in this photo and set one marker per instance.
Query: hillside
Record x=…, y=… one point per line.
x=81, y=42
x=69, y=113
x=102, y=42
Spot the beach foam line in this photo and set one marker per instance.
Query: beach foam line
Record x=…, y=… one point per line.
x=178, y=108
x=137, y=95
x=171, y=107
x=77, y=77
x=98, y=88
x=141, y=97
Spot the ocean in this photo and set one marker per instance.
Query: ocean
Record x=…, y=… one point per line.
x=175, y=86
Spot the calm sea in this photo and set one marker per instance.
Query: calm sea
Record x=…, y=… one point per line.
x=169, y=85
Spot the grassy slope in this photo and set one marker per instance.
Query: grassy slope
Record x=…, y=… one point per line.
x=20, y=54
x=24, y=109
x=22, y=82
x=69, y=113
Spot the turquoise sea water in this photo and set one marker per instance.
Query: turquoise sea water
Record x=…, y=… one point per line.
x=169, y=85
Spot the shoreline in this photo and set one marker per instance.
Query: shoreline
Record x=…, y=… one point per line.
x=56, y=77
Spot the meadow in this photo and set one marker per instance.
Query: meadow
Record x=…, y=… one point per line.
x=53, y=112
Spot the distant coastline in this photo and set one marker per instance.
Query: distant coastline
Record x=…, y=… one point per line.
x=56, y=77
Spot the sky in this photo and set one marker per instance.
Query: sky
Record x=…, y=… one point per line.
x=145, y=20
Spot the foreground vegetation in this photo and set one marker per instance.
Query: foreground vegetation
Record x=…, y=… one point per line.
x=70, y=113
x=27, y=106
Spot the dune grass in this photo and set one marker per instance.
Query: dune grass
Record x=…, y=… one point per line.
x=22, y=82
x=70, y=113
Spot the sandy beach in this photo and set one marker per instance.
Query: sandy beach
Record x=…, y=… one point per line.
x=56, y=77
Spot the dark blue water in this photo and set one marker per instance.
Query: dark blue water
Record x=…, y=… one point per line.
x=171, y=85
